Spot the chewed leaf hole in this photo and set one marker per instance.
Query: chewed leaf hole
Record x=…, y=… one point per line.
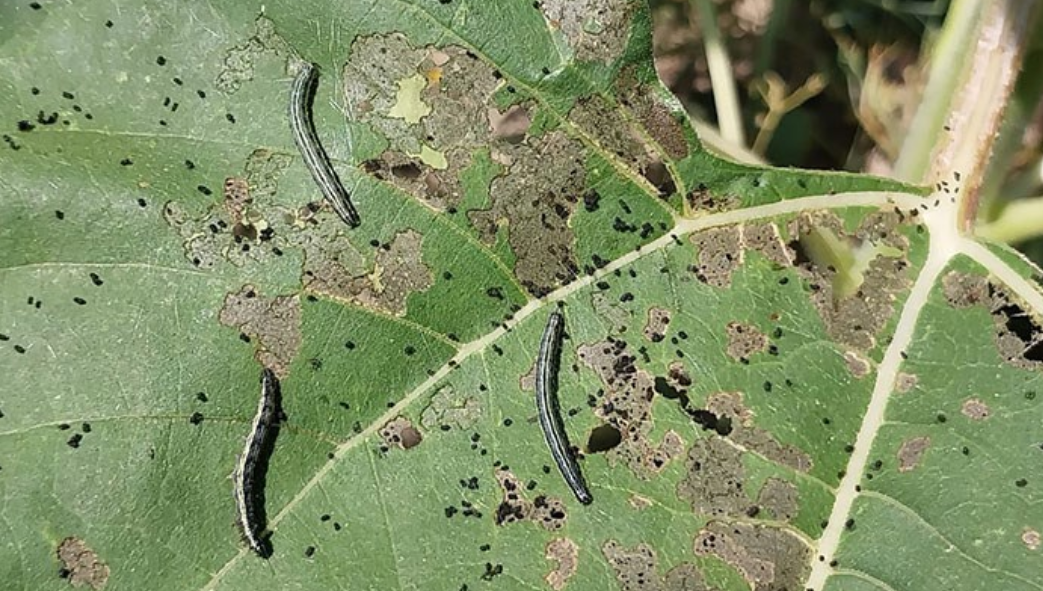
x=666, y=390
x=409, y=171
x=800, y=255
x=603, y=438
x=1022, y=326
x=711, y=422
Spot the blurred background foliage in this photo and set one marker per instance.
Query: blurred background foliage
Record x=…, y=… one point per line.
x=834, y=84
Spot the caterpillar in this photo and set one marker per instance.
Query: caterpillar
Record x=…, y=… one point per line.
x=547, y=364
x=252, y=467
x=315, y=158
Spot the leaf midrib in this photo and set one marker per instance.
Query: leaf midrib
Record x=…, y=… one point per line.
x=946, y=243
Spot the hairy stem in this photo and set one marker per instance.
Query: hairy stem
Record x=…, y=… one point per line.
x=986, y=69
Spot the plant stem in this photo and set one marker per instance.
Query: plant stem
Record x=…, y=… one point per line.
x=766, y=47
x=773, y=92
x=712, y=140
x=1002, y=42
x=1020, y=220
x=949, y=53
x=725, y=96
x=1008, y=177
x=979, y=76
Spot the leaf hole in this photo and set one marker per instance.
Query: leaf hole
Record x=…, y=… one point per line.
x=408, y=171
x=711, y=422
x=603, y=438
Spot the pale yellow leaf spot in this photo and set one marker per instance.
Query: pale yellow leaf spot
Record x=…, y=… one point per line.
x=408, y=104
x=432, y=158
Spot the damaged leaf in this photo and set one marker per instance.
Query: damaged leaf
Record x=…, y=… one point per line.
x=768, y=375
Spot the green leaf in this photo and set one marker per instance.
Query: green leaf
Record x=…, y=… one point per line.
x=161, y=240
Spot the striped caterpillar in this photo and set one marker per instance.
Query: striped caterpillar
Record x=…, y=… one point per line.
x=547, y=364
x=252, y=466
x=315, y=158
